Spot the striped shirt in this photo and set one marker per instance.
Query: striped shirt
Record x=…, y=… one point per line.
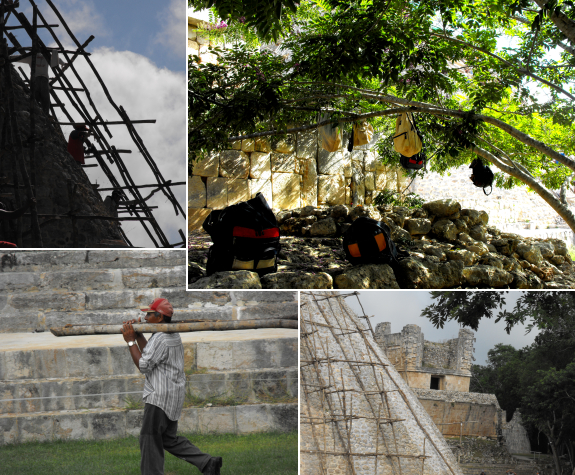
x=162, y=362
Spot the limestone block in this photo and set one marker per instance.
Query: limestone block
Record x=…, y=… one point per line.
x=330, y=163
x=357, y=156
x=196, y=218
x=260, y=165
x=331, y=189
x=238, y=190
x=285, y=144
x=283, y=162
x=236, y=145
x=196, y=192
x=234, y=164
x=380, y=179
x=209, y=166
x=192, y=33
x=216, y=420
x=248, y=145
x=308, y=170
x=252, y=419
x=217, y=193
x=208, y=58
x=371, y=276
x=202, y=40
x=370, y=162
x=370, y=181
x=286, y=190
x=306, y=145
x=297, y=280
x=262, y=145
x=242, y=279
x=193, y=45
x=263, y=186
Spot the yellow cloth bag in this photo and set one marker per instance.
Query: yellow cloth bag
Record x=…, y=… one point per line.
x=362, y=133
x=406, y=140
x=331, y=137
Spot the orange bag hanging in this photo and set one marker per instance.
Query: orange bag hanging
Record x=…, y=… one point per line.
x=331, y=137
x=362, y=133
x=406, y=140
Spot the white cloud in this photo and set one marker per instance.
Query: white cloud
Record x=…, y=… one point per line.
x=172, y=37
x=146, y=92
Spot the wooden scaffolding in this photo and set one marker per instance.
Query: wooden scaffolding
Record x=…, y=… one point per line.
x=108, y=157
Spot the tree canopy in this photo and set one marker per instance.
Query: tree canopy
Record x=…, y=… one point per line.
x=484, y=78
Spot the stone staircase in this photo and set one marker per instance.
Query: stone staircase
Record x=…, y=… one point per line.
x=88, y=387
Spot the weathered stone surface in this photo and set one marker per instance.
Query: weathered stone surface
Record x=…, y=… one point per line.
x=248, y=145
x=487, y=276
x=242, y=279
x=369, y=181
x=370, y=276
x=331, y=190
x=260, y=165
x=283, y=162
x=478, y=248
x=530, y=253
x=217, y=189
x=196, y=218
x=262, y=145
x=308, y=171
x=209, y=166
x=324, y=227
x=238, y=190
x=442, y=208
x=285, y=144
x=196, y=192
x=263, y=186
x=296, y=280
x=307, y=145
x=370, y=161
x=286, y=190
x=415, y=274
x=330, y=163
x=469, y=258
x=445, y=229
x=234, y=164
x=417, y=226
x=478, y=233
x=546, y=249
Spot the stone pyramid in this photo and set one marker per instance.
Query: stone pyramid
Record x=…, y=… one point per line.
x=357, y=415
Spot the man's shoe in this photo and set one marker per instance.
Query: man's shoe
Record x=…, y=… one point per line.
x=213, y=466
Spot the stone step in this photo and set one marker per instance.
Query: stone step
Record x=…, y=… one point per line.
x=498, y=468
x=50, y=261
x=117, y=307
x=108, y=424
x=116, y=391
x=93, y=279
x=42, y=355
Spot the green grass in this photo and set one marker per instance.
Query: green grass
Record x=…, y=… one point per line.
x=255, y=454
x=572, y=252
x=131, y=403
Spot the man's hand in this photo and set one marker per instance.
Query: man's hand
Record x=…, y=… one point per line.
x=128, y=332
x=131, y=322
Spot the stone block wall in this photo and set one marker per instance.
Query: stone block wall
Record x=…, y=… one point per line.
x=515, y=435
x=410, y=352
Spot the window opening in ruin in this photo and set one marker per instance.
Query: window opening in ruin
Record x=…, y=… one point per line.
x=435, y=382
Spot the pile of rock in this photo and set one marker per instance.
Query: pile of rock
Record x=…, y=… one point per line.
x=480, y=450
x=448, y=247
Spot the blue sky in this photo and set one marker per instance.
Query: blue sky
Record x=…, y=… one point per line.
x=139, y=51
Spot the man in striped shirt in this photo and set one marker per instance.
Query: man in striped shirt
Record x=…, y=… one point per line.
x=162, y=361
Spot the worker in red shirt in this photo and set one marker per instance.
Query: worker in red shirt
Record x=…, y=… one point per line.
x=76, y=141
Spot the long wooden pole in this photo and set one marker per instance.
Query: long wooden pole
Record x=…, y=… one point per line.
x=175, y=327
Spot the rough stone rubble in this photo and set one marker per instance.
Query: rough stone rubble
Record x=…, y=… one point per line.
x=449, y=247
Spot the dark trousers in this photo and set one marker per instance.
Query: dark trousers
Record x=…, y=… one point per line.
x=158, y=434
x=42, y=93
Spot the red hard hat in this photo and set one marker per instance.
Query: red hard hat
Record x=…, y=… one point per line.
x=159, y=305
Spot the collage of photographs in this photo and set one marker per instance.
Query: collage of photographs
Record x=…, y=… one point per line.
x=374, y=271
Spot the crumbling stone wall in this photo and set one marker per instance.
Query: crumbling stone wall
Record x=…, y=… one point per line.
x=515, y=435
x=62, y=186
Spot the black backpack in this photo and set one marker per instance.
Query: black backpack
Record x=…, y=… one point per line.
x=482, y=175
x=368, y=241
x=246, y=236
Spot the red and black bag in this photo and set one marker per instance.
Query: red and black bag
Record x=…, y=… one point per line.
x=368, y=241
x=246, y=236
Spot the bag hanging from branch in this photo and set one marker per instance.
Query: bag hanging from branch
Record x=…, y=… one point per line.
x=331, y=137
x=406, y=139
x=362, y=133
x=482, y=176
